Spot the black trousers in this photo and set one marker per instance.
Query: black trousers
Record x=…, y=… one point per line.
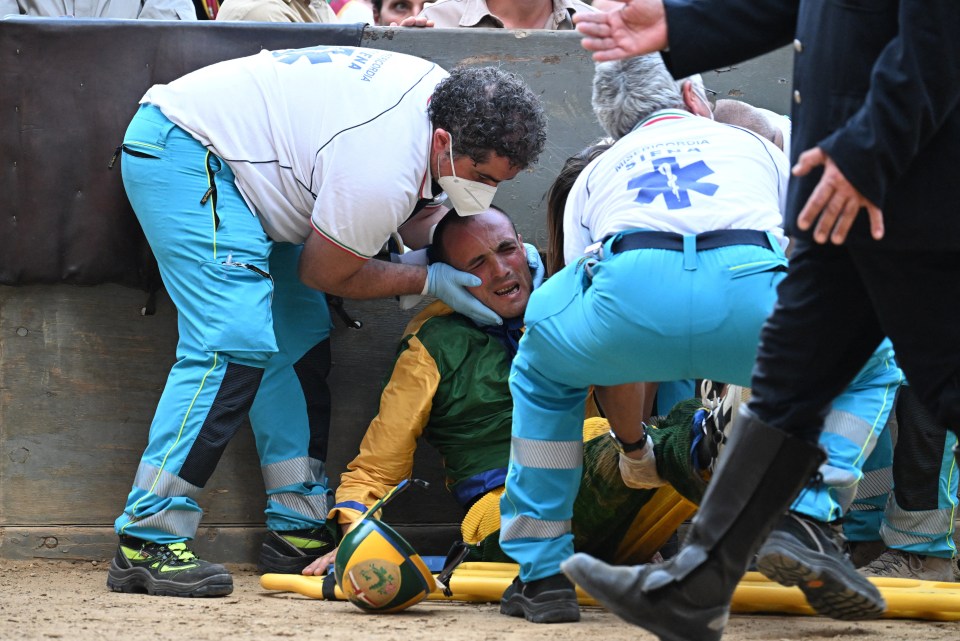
x=834, y=307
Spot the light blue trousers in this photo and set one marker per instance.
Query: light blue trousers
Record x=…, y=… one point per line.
x=877, y=512
x=252, y=340
x=642, y=315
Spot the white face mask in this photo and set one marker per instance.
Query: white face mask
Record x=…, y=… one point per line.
x=469, y=197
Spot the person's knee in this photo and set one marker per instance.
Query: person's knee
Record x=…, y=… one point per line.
x=801, y=420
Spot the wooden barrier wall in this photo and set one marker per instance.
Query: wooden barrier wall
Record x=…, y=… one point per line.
x=81, y=369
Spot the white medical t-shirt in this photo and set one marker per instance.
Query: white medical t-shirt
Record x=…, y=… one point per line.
x=334, y=136
x=680, y=173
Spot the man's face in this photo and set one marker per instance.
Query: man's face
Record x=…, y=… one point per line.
x=492, y=171
x=489, y=248
x=495, y=170
x=397, y=10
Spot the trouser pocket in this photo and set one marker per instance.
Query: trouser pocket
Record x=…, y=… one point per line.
x=138, y=150
x=775, y=265
x=238, y=318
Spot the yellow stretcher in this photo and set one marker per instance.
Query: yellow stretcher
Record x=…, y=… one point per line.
x=485, y=582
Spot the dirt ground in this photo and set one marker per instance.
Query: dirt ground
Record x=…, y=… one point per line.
x=69, y=600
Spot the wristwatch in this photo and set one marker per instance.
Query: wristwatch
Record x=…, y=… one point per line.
x=625, y=448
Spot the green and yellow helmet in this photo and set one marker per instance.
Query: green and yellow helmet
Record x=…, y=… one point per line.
x=378, y=571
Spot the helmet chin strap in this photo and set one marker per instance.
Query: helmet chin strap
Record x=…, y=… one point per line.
x=458, y=552
x=389, y=496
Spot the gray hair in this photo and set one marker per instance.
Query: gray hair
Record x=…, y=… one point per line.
x=625, y=92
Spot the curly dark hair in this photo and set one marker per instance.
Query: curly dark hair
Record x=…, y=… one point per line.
x=486, y=110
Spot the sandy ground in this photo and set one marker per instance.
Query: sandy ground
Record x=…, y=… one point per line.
x=69, y=600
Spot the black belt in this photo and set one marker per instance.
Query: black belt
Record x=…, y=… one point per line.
x=706, y=240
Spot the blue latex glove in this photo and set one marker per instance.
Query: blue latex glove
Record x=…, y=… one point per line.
x=536, y=265
x=447, y=283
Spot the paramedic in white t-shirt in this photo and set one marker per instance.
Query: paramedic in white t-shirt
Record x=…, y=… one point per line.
x=311, y=160
x=673, y=247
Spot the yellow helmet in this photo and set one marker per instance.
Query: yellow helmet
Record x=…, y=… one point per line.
x=379, y=571
x=376, y=568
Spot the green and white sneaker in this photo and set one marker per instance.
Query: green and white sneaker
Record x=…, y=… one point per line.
x=165, y=569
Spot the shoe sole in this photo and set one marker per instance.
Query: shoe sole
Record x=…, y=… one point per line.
x=669, y=617
x=552, y=610
x=829, y=588
x=140, y=581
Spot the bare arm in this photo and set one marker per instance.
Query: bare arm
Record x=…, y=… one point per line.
x=627, y=406
x=331, y=269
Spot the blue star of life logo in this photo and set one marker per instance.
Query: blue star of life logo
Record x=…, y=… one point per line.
x=673, y=182
x=315, y=55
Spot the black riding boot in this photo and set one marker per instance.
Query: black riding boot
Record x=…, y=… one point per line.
x=688, y=598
